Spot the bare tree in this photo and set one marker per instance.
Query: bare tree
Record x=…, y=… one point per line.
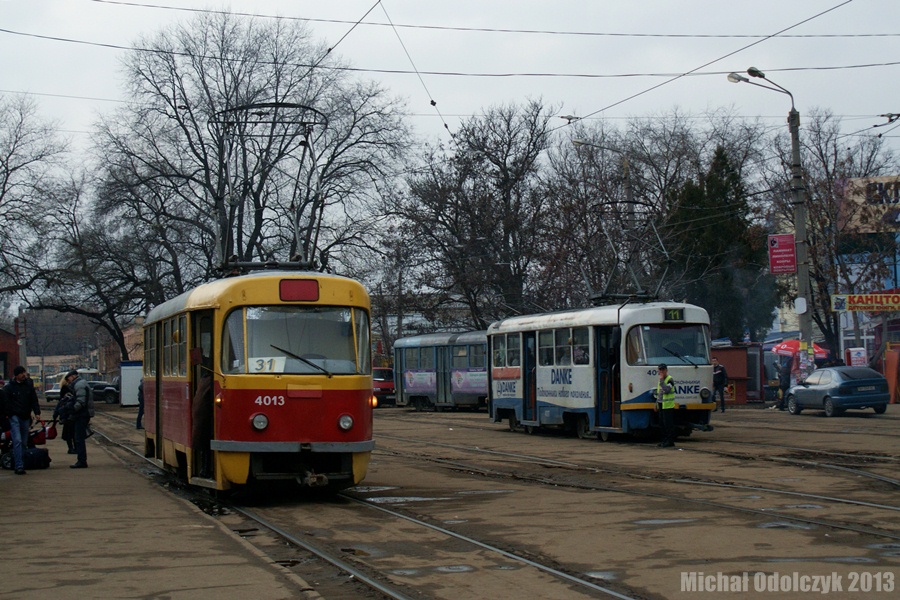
x=227, y=137
x=477, y=212
x=30, y=151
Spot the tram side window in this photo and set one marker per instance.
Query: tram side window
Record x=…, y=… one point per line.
x=634, y=352
x=581, y=345
x=545, y=348
x=513, y=350
x=426, y=359
x=233, y=343
x=150, y=351
x=411, y=358
x=476, y=356
x=499, y=345
x=460, y=359
x=563, y=348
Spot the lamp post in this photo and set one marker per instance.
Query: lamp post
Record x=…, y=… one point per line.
x=798, y=194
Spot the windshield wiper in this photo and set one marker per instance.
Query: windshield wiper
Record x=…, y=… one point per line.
x=307, y=361
x=677, y=355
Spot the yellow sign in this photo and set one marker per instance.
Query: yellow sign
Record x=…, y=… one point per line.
x=865, y=302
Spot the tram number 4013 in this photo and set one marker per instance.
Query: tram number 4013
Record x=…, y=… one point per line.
x=269, y=400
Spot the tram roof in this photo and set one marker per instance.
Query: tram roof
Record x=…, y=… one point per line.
x=442, y=339
x=598, y=315
x=209, y=295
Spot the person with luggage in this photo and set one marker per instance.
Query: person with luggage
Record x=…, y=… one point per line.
x=21, y=401
x=62, y=415
x=80, y=408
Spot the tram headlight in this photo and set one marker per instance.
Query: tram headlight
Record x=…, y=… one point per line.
x=259, y=421
x=345, y=422
x=705, y=393
x=373, y=401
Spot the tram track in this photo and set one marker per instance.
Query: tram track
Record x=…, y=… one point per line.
x=803, y=463
x=524, y=462
x=356, y=568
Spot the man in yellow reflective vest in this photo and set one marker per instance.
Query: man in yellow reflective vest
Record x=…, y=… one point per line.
x=665, y=402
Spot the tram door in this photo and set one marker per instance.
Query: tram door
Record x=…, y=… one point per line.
x=529, y=376
x=202, y=421
x=608, y=404
x=442, y=373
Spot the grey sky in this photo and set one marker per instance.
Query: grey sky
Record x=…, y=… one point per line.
x=641, y=37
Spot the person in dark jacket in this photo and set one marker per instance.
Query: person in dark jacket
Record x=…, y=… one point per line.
x=139, y=424
x=79, y=408
x=21, y=401
x=784, y=382
x=720, y=380
x=61, y=414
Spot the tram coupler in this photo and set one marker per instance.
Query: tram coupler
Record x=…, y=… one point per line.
x=313, y=480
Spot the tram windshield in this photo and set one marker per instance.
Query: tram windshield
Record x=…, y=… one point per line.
x=307, y=340
x=670, y=344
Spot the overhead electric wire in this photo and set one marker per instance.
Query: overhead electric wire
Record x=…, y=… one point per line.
x=659, y=85
x=497, y=29
x=431, y=99
x=673, y=76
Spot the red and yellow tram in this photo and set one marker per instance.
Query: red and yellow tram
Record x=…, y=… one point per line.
x=264, y=376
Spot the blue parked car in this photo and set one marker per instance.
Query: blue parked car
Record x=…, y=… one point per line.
x=835, y=389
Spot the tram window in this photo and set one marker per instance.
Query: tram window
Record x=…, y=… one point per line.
x=233, y=343
x=634, y=352
x=581, y=345
x=460, y=358
x=476, y=356
x=411, y=358
x=426, y=359
x=563, y=339
x=296, y=339
x=672, y=344
x=545, y=348
x=513, y=350
x=499, y=345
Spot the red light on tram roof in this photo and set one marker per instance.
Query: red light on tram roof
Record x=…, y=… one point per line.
x=306, y=290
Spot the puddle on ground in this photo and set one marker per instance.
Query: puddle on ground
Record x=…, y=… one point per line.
x=505, y=568
x=405, y=572
x=663, y=521
x=604, y=575
x=402, y=499
x=454, y=569
x=368, y=489
x=785, y=525
x=478, y=492
x=455, y=521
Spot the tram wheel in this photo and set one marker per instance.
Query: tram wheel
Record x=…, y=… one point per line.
x=513, y=423
x=583, y=428
x=530, y=429
x=604, y=436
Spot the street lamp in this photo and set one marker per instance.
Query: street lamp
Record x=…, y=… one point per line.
x=798, y=192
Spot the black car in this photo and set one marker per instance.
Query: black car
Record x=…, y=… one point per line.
x=104, y=391
x=835, y=389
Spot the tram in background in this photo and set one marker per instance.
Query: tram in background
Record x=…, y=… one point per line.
x=594, y=370
x=263, y=376
x=442, y=370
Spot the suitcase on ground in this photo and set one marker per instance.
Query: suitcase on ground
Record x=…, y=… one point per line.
x=36, y=458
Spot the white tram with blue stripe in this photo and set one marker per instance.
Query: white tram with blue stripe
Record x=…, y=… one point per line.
x=594, y=370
